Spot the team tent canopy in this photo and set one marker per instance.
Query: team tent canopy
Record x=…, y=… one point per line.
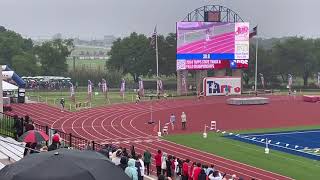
x=8, y=87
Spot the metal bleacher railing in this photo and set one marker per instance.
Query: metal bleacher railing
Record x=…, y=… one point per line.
x=68, y=140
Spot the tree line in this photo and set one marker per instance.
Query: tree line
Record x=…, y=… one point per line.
x=277, y=58
x=297, y=56
x=134, y=55
x=28, y=59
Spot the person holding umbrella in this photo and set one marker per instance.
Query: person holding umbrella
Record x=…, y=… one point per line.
x=33, y=137
x=63, y=164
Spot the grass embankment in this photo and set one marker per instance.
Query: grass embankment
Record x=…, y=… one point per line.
x=278, y=162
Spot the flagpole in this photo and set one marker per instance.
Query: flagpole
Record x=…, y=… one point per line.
x=256, y=71
x=157, y=62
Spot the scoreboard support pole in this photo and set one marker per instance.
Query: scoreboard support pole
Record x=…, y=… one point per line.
x=238, y=73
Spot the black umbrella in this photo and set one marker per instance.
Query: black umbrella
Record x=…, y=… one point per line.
x=63, y=164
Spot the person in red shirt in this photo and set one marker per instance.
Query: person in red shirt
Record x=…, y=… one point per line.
x=196, y=171
x=158, y=162
x=185, y=170
x=191, y=170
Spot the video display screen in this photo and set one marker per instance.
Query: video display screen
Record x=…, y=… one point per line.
x=200, y=43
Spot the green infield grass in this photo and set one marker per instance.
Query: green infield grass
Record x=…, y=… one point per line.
x=278, y=162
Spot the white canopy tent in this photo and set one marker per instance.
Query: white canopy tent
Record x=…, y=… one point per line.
x=8, y=87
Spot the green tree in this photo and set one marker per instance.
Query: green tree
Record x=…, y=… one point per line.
x=131, y=54
x=26, y=64
x=52, y=56
x=296, y=56
x=12, y=44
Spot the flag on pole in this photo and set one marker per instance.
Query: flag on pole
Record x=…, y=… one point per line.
x=72, y=93
x=71, y=89
x=318, y=78
x=254, y=32
x=153, y=37
x=104, y=86
x=262, y=79
x=184, y=83
x=122, y=87
x=141, y=88
x=289, y=80
x=160, y=85
x=89, y=87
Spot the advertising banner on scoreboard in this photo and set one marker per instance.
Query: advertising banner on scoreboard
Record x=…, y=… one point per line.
x=213, y=86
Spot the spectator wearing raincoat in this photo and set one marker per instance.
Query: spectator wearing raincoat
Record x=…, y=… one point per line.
x=131, y=170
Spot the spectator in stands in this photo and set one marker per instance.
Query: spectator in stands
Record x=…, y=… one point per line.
x=216, y=175
x=125, y=152
x=158, y=162
x=131, y=170
x=147, y=160
x=44, y=149
x=183, y=120
x=202, y=175
x=55, y=133
x=179, y=168
x=164, y=163
x=168, y=164
x=185, y=170
x=233, y=177
x=28, y=124
x=133, y=152
x=89, y=147
x=18, y=127
x=37, y=148
x=123, y=163
x=140, y=167
x=194, y=164
x=26, y=149
x=211, y=168
x=117, y=158
x=55, y=144
x=162, y=177
x=197, y=171
x=174, y=166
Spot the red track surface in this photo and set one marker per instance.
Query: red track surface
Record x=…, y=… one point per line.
x=126, y=124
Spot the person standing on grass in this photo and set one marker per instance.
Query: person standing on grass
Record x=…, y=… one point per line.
x=172, y=120
x=158, y=162
x=147, y=160
x=62, y=104
x=183, y=120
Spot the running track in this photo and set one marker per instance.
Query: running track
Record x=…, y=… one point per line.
x=126, y=124
x=218, y=44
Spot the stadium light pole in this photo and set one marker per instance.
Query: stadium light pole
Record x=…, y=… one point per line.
x=256, y=71
x=157, y=62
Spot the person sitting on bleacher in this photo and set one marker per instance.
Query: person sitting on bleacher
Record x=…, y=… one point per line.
x=55, y=143
x=18, y=127
x=28, y=124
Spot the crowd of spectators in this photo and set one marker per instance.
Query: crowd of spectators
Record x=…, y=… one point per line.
x=135, y=165
x=168, y=167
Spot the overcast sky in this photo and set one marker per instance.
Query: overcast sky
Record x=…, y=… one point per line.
x=95, y=18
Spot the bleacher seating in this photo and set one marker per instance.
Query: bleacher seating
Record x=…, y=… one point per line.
x=9, y=153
